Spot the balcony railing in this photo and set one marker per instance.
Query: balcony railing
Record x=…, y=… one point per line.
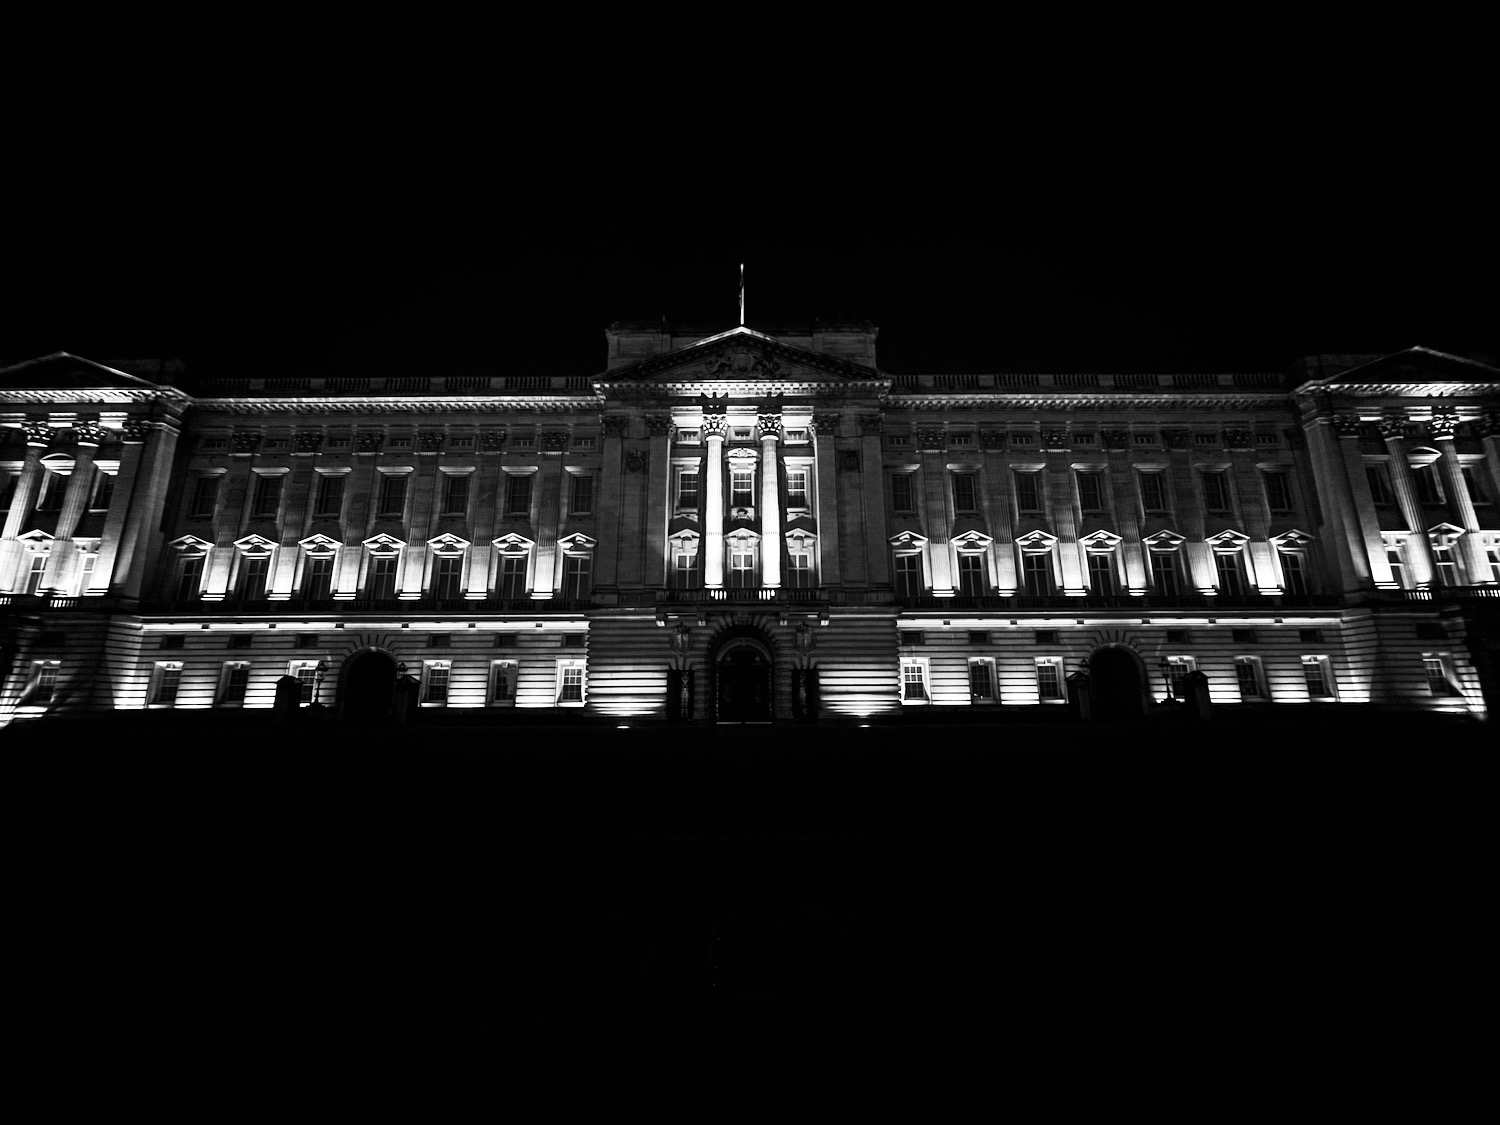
x=760, y=594
x=396, y=384
x=457, y=606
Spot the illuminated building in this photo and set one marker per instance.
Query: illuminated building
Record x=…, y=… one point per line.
x=746, y=527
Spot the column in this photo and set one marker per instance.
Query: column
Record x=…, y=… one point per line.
x=770, y=503
x=114, y=519
x=1418, y=549
x=89, y=436
x=936, y=507
x=995, y=503
x=549, y=512
x=38, y=438
x=606, y=554
x=714, y=427
x=657, y=496
x=1058, y=444
x=1343, y=486
x=1476, y=566
x=1265, y=568
x=826, y=513
x=140, y=545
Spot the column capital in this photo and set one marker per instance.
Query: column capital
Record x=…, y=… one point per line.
x=768, y=427
x=715, y=426
x=38, y=433
x=1444, y=426
x=1394, y=429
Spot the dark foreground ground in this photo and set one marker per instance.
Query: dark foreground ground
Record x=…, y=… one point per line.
x=1023, y=869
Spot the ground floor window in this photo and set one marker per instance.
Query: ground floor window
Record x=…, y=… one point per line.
x=1251, y=674
x=164, y=683
x=914, y=680
x=1049, y=680
x=1439, y=675
x=1317, y=673
x=43, y=682
x=236, y=679
x=435, y=682
x=503, y=682
x=570, y=683
x=981, y=680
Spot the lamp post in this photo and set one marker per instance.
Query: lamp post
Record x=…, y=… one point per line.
x=1166, y=676
x=318, y=684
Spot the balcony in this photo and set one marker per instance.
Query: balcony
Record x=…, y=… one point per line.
x=762, y=595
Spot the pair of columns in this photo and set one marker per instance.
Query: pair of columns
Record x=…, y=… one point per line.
x=715, y=429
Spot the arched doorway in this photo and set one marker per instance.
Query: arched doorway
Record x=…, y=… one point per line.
x=367, y=686
x=1116, y=685
x=742, y=682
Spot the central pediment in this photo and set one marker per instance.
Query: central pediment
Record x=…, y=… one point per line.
x=741, y=356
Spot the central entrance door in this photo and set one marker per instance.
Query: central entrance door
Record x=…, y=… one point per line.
x=366, y=689
x=743, y=686
x=1115, y=681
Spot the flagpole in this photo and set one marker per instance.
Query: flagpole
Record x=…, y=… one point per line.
x=742, y=294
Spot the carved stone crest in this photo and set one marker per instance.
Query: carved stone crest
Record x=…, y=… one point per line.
x=849, y=460
x=742, y=364
x=635, y=461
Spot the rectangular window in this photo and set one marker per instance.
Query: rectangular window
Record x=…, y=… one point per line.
x=35, y=573
x=104, y=491
x=1049, y=681
x=1153, y=492
x=685, y=571
x=978, y=637
x=581, y=501
x=205, y=496
x=1091, y=492
x=1102, y=574
x=576, y=577
x=1231, y=574
x=965, y=495
x=799, y=570
x=513, y=576
x=1165, y=573
x=518, y=494
x=167, y=680
x=1293, y=573
x=570, y=686
x=447, y=577
x=503, y=682
x=44, y=682
x=329, y=501
x=1429, y=491
x=1036, y=575
x=1318, y=674
x=1177, y=669
x=981, y=680
x=308, y=673
x=254, y=570
x=317, y=580
x=742, y=488
x=86, y=574
x=1215, y=492
x=742, y=565
x=796, y=488
x=53, y=487
x=392, y=498
x=687, y=490
x=1380, y=485
x=1028, y=491
x=235, y=680
x=1447, y=566
x=1492, y=556
x=913, y=680
x=455, y=494
x=909, y=582
x=435, y=681
x=1251, y=675
x=1310, y=636
x=1476, y=489
x=971, y=575
x=1437, y=676
x=267, y=498
x=380, y=582
x=190, y=578
x=1278, y=490
x=1244, y=636
x=1396, y=557
x=903, y=494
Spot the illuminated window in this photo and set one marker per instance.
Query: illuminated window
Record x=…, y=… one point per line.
x=981, y=680
x=447, y=577
x=1293, y=573
x=51, y=497
x=307, y=672
x=1028, y=491
x=570, y=683
x=1102, y=573
x=909, y=581
x=503, y=682
x=1153, y=492
x=380, y=581
x=1317, y=671
x=518, y=494
x=1178, y=668
x=799, y=568
x=581, y=500
x=1049, y=680
x=742, y=488
x=455, y=494
x=164, y=683
x=1231, y=573
x=266, y=501
x=1251, y=674
x=435, y=682
x=513, y=576
x=914, y=679
x=36, y=572
x=971, y=575
x=1278, y=490
x=1447, y=566
x=796, y=488
x=903, y=492
x=685, y=568
x=317, y=579
x=233, y=682
x=205, y=496
x=1165, y=573
x=1439, y=682
x=392, y=499
x=1395, y=555
x=1091, y=491
x=965, y=494
x=329, y=501
x=687, y=490
x=43, y=682
x=1492, y=556
x=86, y=572
x=742, y=564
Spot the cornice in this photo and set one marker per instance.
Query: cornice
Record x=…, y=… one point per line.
x=1052, y=401
x=558, y=404
x=96, y=394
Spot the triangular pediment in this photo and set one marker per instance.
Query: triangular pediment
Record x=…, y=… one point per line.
x=65, y=371
x=741, y=356
x=1414, y=370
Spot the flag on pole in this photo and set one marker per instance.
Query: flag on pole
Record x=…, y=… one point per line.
x=742, y=294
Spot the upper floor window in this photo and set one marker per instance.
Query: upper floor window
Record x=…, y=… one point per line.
x=266, y=501
x=1091, y=491
x=687, y=489
x=447, y=577
x=455, y=494
x=329, y=500
x=1438, y=680
x=1028, y=491
x=1166, y=573
x=971, y=574
x=796, y=487
x=392, y=498
x=1478, y=494
x=54, y=485
x=317, y=579
x=576, y=577
x=205, y=496
x=909, y=582
x=914, y=679
x=518, y=494
x=1380, y=485
x=799, y=568
x=1153, y=491
x=104, y=491
x=1215, y=492
x=742, y=488
x=581, y=498
x=741, y=564
x=1278, y=490
x=254, y=570
x=1293, y=573
x=965, y=494
x=380, y=582
x=1231, y=573
x=1102, y=573
x=1429, y=491
x=36, y=572
x=1036, y=574
x=903, y=494
x=1447, y=566
x=513, y=576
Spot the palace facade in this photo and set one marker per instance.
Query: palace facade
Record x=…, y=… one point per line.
x=745, y=526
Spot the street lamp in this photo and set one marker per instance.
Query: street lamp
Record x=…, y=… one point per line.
x=1166, y=676
x=318, y=685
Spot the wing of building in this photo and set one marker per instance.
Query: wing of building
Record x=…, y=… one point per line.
x=741, y=527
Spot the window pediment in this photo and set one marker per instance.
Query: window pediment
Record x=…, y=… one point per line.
x=908, y=541
x=1036, y=543
x=1444, y=535
x=1164, y=541
x=1292, y=540
x=255, y=546
x=972, y=540
x=1228, y=542
x=384, y=546
x=1101, y=542
x=319, y=546
x=577, y=544
x=448, y=545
